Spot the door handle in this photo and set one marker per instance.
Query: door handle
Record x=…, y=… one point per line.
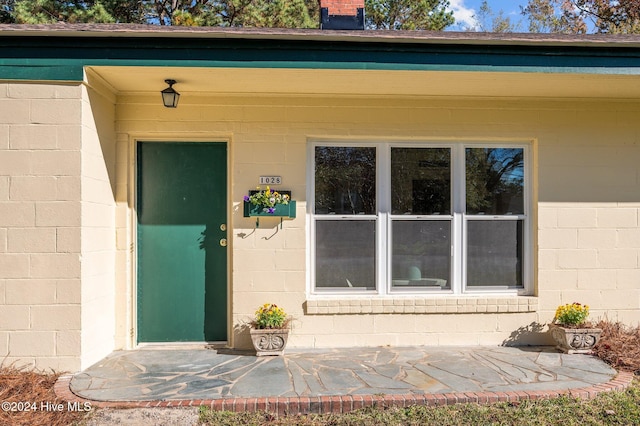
x=223, y=242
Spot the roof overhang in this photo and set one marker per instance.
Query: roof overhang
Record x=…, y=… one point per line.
x=309, y=62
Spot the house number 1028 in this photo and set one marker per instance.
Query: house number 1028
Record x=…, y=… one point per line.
x=270, y=180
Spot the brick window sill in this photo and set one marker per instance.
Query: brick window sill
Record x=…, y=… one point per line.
x=412, y=305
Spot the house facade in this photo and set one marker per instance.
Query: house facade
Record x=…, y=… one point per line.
x=450, y=189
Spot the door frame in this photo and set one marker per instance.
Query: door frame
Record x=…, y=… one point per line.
x=132, y=299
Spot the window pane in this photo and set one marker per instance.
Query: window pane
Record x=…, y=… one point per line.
x=421, y=255
x=495, y=181
x=494, y=253
x=345, y=180
x=420, y=181
x=346, y=254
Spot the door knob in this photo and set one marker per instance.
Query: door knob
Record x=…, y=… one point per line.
x=223, y=242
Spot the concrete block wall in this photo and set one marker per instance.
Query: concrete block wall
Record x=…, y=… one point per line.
x=66, y=208
x=98, y=232
x=40, y=220
x=585, y=219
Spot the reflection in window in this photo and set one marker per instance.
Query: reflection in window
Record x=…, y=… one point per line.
x=494, y=253
x=421, y=254
x=495, y=181
x=420, y=181
x=346, y=254
x=345, y=180
x=442, y=219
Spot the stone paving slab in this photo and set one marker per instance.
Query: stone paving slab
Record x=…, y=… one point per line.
x=207, y=374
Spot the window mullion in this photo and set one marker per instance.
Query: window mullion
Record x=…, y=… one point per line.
x=384, y=227
x=458, y=201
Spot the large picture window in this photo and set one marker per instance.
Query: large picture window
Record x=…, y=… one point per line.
x=390, y=218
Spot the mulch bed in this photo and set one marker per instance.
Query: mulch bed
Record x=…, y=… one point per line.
x=27, y=398
x=619, y=346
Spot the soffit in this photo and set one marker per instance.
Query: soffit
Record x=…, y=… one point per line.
x=134, y=81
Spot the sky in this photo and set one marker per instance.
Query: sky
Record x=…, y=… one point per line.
x=464, y=10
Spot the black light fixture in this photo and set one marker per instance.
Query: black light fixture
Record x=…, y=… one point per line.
x=169, y=95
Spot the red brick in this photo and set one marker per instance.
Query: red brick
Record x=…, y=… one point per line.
x=369, y=401
x=342, y=7
x=261, y=404
x=336, y=404
x=358, y=402
x=411, y=399
x=398, y=400
x=325, y=404
x=347, y=404
x=294, y=406
x=272, y=405
x=282, y=406
x=304, y=405
x=315, y=405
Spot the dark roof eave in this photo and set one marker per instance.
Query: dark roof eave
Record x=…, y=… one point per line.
x=376, y=36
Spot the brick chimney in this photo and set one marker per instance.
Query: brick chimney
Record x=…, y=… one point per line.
x=342, y=14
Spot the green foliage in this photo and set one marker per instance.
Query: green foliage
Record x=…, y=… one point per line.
x=246, y=13
x=408, y=14
x=267, y=199
x=276, y=14
x=573, y=314
x=50, y=11
x=270, y=315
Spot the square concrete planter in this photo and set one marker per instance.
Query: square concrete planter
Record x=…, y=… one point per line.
x=269, y=341
x=575, y=340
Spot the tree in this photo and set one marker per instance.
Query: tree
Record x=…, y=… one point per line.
x=234, y=13
x=51, y=11
x=408, y=14
x=249, y=13
x=582, y=16
x=490, y=21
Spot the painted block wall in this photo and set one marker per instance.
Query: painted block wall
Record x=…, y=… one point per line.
x=586, y=204
x=98, y=234
x=57, y=226
x=66, y=280
x=40, y=220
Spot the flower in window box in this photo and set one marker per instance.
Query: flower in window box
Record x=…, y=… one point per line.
x=267, y=199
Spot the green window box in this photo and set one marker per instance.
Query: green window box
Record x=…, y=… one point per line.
x=281, y=210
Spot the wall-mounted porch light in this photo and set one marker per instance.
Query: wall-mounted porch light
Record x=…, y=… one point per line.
x=169, y=95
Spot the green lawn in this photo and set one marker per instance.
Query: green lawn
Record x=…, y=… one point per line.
x=612, y=408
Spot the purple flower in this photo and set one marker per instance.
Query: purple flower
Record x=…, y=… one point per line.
x=246, y=198
x=272, y=210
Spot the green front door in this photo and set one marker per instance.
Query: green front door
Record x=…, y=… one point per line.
x=182, y=257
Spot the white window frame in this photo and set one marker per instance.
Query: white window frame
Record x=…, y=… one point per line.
x=384, y=218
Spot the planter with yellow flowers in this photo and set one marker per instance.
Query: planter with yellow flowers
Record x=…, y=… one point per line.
x=571, y=331
x=270, y=330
